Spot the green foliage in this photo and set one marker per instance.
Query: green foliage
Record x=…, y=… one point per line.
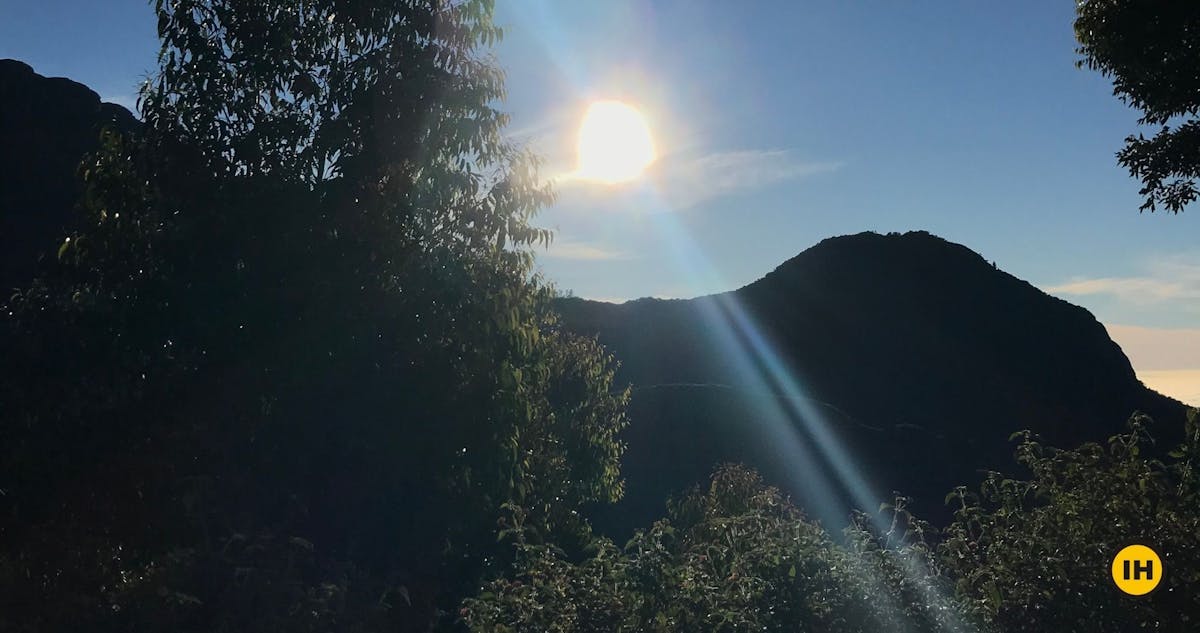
x=1034, y=555
x=736, y=556
x=301, y=311
x=1151, y=49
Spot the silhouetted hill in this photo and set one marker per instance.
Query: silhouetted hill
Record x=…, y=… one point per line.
x=46, y=126
x=916, y=354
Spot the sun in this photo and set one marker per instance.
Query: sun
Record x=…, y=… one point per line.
x=614, y=143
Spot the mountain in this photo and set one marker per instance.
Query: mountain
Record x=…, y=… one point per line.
x=866, y=364
x=47, y=125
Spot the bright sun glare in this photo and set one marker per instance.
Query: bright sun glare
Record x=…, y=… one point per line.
x=614, y=143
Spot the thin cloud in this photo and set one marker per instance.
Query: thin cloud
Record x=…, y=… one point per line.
x=617, y=300
x=1175, y=278
x=683, y=181
x=1128, y=288
x=583, y=251
x=689, y=182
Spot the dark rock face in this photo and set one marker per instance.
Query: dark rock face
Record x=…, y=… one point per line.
x=47, y=125
x=903, y=360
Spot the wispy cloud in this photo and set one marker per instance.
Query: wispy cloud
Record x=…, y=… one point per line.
x=607, y=299
x=687, y=182
x=1128, y=288
x=583, y=251
x=1172, y=278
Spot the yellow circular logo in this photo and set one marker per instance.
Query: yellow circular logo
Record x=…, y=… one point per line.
x=1137, y=570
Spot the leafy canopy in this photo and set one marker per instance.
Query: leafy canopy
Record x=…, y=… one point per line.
x=1151, y=50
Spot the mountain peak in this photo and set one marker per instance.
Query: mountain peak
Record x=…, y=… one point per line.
x=923, y=356
x=872, y=250
x=14, y=67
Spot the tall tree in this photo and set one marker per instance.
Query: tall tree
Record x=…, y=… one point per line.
x=296, y=361
x=1151, y=50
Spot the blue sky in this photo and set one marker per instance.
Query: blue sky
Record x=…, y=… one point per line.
x=781, y=123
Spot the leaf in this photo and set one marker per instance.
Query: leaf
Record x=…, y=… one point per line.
x=994, y=594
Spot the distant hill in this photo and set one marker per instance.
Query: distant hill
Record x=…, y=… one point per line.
x=47, y=125
x=915, y=354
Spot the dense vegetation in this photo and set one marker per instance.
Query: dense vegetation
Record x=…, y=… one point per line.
x=294, y=372
x=1023, y=554
x=1033, y=553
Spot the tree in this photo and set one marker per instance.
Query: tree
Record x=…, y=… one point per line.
x=296, y=361
x=1151, y=49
